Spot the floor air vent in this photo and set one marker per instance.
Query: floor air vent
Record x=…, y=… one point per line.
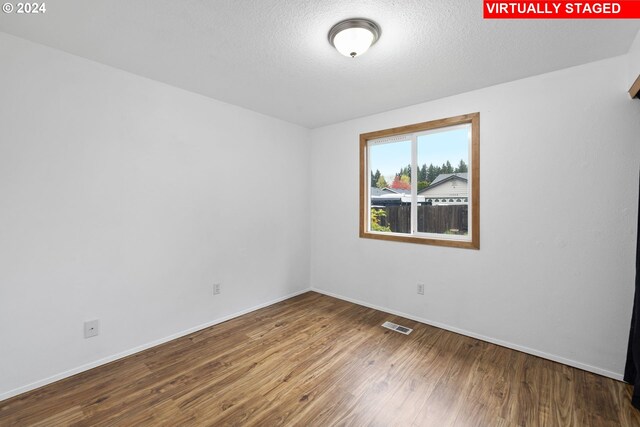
x=397, y=328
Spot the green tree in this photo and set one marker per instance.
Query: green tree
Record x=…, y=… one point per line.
x=422, y=173
x=422, y=185
x=376, y=216
x=462, y=167
x=433, y=172
x=447, y=168
x=406, y=171
x=381, y=183
x=375, y=177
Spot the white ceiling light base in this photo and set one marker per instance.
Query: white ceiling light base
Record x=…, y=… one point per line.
x=353, y=37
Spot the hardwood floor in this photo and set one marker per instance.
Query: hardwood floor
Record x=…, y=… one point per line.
x=318, y=361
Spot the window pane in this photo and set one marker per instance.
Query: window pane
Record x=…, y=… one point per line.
x=390, y=186
x=443, y=190
x=420, y=183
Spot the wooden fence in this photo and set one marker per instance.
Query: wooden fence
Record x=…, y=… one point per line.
x=431, y=219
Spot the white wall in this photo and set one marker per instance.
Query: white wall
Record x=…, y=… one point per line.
x=634, y=61
x=555, y=272
x=124, y=199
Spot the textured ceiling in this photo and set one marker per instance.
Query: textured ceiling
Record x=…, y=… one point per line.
x=272, y=56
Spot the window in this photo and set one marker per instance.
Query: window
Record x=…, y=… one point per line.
x=421, y=183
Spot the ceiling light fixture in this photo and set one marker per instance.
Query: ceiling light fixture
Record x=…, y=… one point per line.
x=353, y=37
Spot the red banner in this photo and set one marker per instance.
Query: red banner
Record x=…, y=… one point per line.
x=516, y=9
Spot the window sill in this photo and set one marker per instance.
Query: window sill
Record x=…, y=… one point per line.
x=474, y=243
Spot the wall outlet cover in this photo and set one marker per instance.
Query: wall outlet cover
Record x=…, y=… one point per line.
x=91, y=328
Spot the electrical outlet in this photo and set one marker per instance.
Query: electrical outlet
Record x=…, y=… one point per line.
x=216, y=288
x=91, y=328
x=420, y=289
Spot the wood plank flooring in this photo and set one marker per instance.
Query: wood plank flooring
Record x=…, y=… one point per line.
x=314, y=360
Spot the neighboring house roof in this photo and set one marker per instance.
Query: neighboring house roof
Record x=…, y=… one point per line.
x=377, y=191
x=447, y=188
x=386, y=190
x=443, y=177
x=398, y=190
x=388, y=196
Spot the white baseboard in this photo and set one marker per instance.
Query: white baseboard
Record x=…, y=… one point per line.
x=105, y=360
x=553, y=357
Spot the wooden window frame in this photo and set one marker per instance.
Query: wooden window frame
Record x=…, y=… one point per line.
x=634, y=91
x=474, y=120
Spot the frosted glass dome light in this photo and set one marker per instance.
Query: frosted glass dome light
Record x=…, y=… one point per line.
x=354, y=36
